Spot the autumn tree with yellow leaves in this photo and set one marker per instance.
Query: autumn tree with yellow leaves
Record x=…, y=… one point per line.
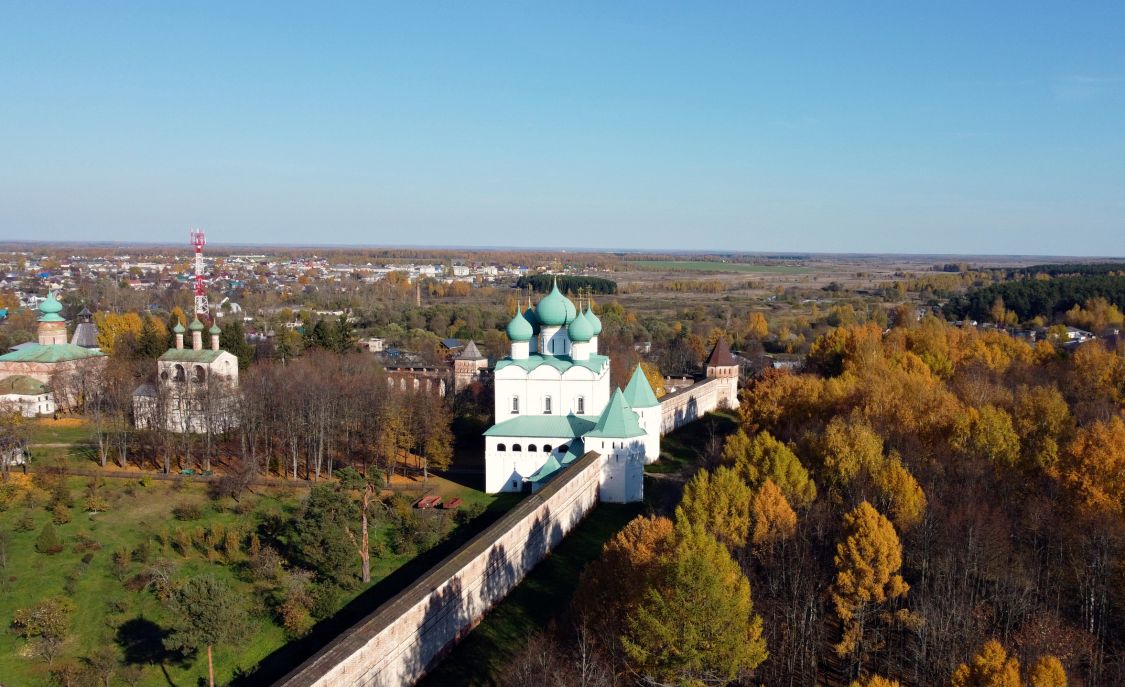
x=868, y=561
x=720, y=502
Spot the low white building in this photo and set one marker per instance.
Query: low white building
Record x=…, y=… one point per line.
x=29, y=395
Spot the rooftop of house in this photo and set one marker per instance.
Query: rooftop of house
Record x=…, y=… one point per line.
x=50, y=353
x=187, y=355
x=22, y=385
x=543, y=426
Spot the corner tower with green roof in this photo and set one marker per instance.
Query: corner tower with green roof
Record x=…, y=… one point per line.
x=641, y=398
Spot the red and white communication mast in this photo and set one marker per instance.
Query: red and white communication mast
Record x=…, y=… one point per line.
x=198, y=242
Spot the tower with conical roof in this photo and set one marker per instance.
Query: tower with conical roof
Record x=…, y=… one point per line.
x=467, y=366
x=722, y=364
x=85, y=332
x=641, y=398
x=619, y=437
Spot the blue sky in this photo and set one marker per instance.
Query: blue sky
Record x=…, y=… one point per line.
x=838, y=127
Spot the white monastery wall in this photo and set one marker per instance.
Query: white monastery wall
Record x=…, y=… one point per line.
x=406, y=636
x=679, y=408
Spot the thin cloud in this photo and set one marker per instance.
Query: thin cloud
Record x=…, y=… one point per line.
x=1081, y=88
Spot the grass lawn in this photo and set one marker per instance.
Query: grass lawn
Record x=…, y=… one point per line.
x=707, y=266
x=681, y=448
x=64, y=431
x=132, y=622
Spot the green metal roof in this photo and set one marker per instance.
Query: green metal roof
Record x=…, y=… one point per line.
x=573, y=452
x=50, y=353
x=562, y=363
x=187, y=355
x=544, y=426
x=547, y=469
x=638, y=392
x=617, y=421
x=22, y=385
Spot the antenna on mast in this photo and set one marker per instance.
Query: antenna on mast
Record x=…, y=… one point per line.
x=198, y=241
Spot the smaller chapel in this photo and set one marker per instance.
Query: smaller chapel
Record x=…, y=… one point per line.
x=194, y=389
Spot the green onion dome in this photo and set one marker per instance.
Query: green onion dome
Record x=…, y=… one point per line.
x=580, y=329
x=214, y=329
x=196, y=325
x=178, y=329
x=555, y=309
x=532, y=318
x=49, y=309
x=519, y=329
x=594, y=321
x=571, y=311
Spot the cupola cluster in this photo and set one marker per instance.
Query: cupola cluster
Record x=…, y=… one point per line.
x=554, y=327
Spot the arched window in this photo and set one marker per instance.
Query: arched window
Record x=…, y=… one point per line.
x=546, y=448
x=515, y=405
x=164, y=375
x=199, y=374
x=517, y=447
x=180, y=374
x=564, y=448
x=531, y=448
x=580, y=404
x=501, y=447
x=546, y=405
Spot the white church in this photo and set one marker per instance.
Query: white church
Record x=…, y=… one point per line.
x=553, y=404
x=195, y=388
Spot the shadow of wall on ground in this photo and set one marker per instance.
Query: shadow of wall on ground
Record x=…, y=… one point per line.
x=292, y=654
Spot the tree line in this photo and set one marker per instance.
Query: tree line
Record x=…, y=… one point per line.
x=930, y=505
x=542, y=283
x=1029, y=298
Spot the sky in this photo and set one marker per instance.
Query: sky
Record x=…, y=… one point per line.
x=904, y=127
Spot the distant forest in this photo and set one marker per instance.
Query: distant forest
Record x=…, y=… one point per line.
x=1030, y=298
x=541, y=283
x=1057, y=270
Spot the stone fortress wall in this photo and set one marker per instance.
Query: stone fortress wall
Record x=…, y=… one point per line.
x=405, y=637
x=688, y=404
x=409, y=634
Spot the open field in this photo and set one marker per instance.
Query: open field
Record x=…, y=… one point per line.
x=710, y=266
